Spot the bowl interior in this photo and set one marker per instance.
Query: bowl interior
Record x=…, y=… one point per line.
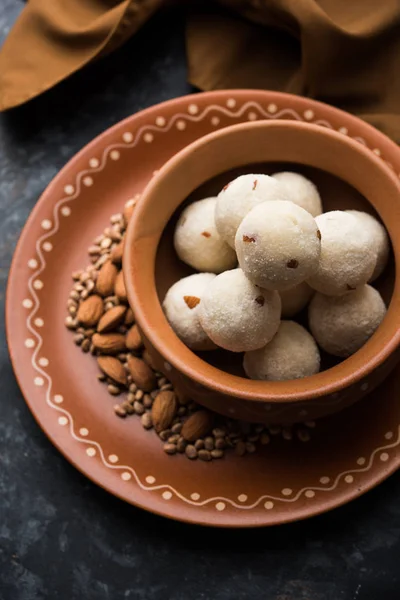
x=336, y=194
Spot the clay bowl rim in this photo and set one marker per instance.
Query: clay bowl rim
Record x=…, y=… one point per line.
x=139, y=263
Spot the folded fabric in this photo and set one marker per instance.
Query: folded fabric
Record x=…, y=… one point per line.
x=343, y=53
x=52, y=39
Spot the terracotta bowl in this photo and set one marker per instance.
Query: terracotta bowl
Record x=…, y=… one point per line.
x=348, y=176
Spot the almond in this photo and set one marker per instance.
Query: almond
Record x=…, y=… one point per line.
x=119, y=287
x=90, y=311
x=141, y=374
x=109, y=343
x=129, y=317
x=113, y=368
x=106, y=279
x=164, y=410
x=191, y=301
x=197, y=425
x=117, y=252
x=133, y=339
x=111, y=319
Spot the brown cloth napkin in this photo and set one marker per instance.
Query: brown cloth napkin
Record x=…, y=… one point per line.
x=344, y=52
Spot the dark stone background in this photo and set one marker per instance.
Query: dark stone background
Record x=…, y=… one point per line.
x=61, y=537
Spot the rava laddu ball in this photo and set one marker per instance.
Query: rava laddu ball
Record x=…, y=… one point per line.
x=342, y=324
x=238, y=197
x=238, y=315
x=182, y=305
x=380, y=240
x=197, y=241
x=278, y=245
x=291, y=354
x=348, y=255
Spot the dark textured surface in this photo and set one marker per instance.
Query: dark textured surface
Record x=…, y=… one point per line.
x=62, y=537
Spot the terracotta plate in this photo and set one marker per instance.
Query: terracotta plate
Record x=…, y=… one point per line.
x=346, y=455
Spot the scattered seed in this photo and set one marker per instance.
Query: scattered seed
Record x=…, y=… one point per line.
x=147, y=420
x=181, y=445
x=106, y=243
x=139, y=395
x=199, y=444
x=218, y=433
x=127, y=406
x=166, y=386
x=177, y=428
x=78, y=338
x=138, y=408
x=173, y=438
x=164, y=435
x=147, y=401
x=115, y=235
x=220, y=444
x=119, y=411
x=113, y=389
x=100, y=262
x=209, y=443
x=70, y=322
x=204, y=455
x=84, y=277
x=191, y=451
x=240, y=448
x=303, y=435
x=86, y=345
x=217, y=453
x=170, y=448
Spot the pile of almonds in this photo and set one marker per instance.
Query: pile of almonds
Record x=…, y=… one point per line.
x=104, y=325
